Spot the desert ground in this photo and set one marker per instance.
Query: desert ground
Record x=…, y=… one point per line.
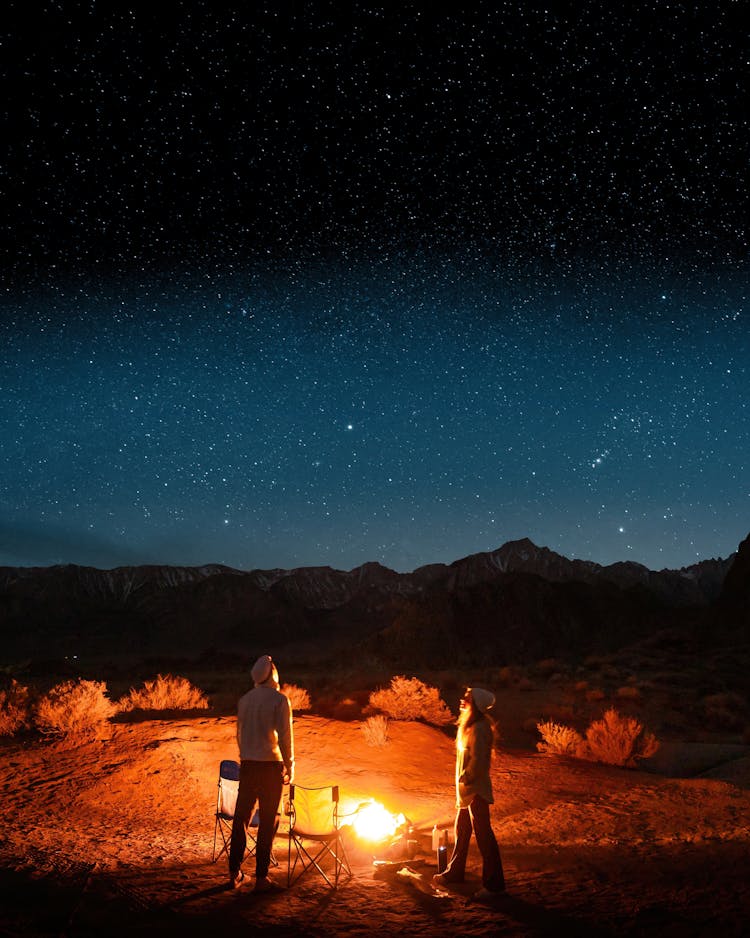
x=113, y=835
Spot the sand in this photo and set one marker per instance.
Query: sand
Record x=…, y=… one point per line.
x=114, y=835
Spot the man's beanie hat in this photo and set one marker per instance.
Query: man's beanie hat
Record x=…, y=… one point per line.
x=262, y=669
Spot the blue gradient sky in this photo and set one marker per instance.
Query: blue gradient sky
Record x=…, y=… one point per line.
x=289, y=287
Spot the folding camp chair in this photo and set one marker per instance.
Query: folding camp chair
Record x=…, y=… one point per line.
x=226, y=801
x=314, y=819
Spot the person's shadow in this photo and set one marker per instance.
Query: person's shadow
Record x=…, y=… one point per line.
x=539, y=920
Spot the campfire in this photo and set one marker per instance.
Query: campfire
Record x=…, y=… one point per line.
x=373, y=823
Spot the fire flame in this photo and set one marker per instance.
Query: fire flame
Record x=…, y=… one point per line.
x=375, y=823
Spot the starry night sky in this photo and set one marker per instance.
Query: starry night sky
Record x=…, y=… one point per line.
x=291, y=284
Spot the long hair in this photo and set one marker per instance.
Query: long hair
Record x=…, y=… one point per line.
x=467, y=717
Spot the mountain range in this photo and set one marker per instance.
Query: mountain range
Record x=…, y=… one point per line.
x=519, y=602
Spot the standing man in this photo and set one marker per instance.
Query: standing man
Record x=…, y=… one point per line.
x=266, y=743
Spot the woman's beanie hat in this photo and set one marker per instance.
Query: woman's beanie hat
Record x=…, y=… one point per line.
x=483, y=699
x=262, y=669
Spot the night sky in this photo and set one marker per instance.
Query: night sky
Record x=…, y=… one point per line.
x=291, y=284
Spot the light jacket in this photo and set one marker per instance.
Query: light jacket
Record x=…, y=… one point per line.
x=473, y=755
x=264, y=727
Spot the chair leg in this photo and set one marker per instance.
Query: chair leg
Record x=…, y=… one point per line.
x=333, y=848
x=226, y=835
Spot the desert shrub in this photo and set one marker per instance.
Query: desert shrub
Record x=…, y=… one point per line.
x=347, y=709
x=298, y=696
x=560, y=713
x=618, y=740
x=725, y=711
x=506, y=676
x=547, y=667
x=73, y=707
x=408, y=698
x=165, y=692
x=14, y=708
x=628, y=692
x=375, y=730
x=558, y=738
x=596, y=693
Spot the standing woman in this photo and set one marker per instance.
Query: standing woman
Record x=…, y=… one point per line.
x=474, y=796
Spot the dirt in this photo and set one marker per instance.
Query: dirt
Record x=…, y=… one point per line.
x=114, y=835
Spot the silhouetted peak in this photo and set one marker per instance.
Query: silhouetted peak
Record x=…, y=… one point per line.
x=736, y=589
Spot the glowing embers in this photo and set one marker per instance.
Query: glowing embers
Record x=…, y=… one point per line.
x=375, y=824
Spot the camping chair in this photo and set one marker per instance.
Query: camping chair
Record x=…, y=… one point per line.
x=226, y=801
x=314, y=819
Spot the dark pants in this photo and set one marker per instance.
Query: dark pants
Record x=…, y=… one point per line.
x=261, y=782
x=476, y=817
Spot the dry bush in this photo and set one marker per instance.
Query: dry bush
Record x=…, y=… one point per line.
x=548, y=666
x=334, y=708
x=375, y=731
x=581, y=686
x=14, y=708
x=73, y=708
x=165, y=692
x=628, y=692
x=346, y=710
x=614, y=740
x=596, y=693
x=298, y=697
x=408, y=698
x=506, y=676
x=560, y=713
x=725, y=711
x=618, y=740
x=560, y=739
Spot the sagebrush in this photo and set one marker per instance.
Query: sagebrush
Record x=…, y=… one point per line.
x=14, y=708
x=613, y=740
x=73, y=707
x=618, y=740
x=299, y=698
x=375, y=730
x=164, y=692
x=725, y=710
x=408, y=698
x=628, y=692
x=558, y=738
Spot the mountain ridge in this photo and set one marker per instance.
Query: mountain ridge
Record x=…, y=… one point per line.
x=506, y=594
